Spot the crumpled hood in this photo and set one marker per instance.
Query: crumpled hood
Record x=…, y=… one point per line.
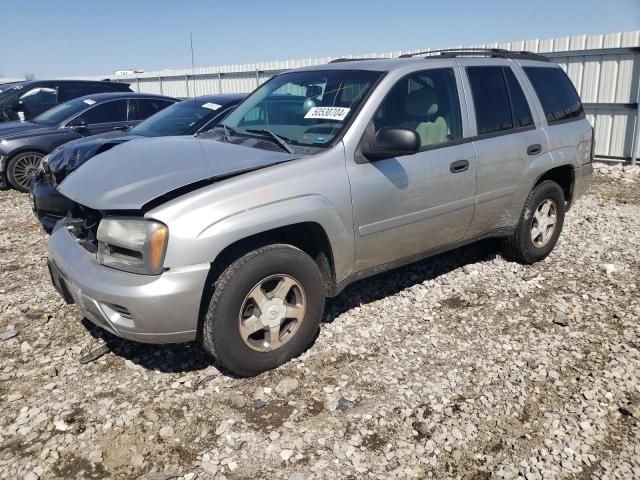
x=9, y=130
x=132, y=175
x=70, y=156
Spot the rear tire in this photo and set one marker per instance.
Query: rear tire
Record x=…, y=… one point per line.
x=20, y=169
x=265, y=310
x=539, y=226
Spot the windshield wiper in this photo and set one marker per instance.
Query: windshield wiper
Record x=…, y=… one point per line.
x=228, y=131
x=279, y=140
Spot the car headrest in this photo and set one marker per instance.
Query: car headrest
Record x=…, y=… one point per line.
x=420, y=103
x=313, y=91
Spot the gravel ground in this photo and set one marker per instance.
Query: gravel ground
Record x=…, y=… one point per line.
x=464, y=366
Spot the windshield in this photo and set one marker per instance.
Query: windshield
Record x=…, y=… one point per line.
x=308, y=108
x=60, y=113
x=181, y=118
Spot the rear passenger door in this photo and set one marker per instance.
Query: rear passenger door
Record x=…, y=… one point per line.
x=412, y=204
x=505, y=139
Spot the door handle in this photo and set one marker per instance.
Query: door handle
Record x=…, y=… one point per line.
x=459, y=166
x=534, y=149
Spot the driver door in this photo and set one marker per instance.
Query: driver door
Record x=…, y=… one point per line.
x=412, y=204
x=105, y=117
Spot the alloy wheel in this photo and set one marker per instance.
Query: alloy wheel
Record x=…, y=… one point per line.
x=23, y=169
x=272, y=313
x=544, y=223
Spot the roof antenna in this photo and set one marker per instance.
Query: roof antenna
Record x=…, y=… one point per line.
x=193, y=68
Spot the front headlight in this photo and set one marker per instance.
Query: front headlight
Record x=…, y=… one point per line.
x=133, y=245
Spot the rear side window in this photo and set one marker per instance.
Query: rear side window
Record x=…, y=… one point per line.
x=71, y=91
x=558, y=96
x=521, y=111
x=115, y=111
x=498, y=99
x=491, y=99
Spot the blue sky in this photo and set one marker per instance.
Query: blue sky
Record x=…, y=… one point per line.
x=73, y=37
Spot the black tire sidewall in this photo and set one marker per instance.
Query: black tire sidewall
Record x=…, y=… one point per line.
x=222, y=320
x=11, y=165
x=546, y=190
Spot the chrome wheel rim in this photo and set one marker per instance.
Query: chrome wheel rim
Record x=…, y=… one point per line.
x=24, y=168
x=271, y=313
x=545, y=218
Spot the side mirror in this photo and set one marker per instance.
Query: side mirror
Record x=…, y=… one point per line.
x=78, y=125
x=391, y=142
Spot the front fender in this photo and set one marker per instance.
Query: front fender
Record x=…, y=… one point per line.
x=191, y=246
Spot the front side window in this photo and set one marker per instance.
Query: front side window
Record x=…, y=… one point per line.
x=39, y=96
x=109, y=112
x=306, y=108
x=426, y=102
x=558, y=96
x=490, y=99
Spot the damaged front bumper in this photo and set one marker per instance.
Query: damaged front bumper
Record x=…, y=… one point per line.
x=49, y=205
x=149, y=309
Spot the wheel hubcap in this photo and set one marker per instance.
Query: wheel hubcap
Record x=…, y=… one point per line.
x=544, y=222
x=272, y=312
x=24, y=168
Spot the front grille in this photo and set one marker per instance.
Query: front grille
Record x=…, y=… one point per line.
x=83, y=222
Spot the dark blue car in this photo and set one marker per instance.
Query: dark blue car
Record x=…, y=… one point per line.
x=23, y=144
x=188, y=117
x=28, y=99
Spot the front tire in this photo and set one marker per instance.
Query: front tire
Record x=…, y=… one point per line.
x=265, y=310
x=539, y=226
x=20, y=169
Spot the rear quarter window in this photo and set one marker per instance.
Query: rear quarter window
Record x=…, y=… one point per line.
x=558, y=96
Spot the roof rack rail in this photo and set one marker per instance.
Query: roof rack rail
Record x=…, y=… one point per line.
x=478, y=52
x=342, y=60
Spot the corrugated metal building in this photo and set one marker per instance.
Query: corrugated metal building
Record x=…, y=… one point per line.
x=604, y=68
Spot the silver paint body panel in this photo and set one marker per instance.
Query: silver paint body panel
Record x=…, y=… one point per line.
x=374, y=214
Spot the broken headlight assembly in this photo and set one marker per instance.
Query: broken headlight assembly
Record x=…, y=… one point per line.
x=132, y=245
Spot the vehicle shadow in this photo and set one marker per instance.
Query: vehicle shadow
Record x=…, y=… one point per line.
x=389, y=283
x=191, y=357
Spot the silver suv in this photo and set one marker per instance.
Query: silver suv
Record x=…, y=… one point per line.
x=321, y=177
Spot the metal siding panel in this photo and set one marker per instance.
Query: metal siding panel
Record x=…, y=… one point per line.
x=608, y=80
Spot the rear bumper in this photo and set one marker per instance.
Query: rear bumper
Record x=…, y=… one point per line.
x=148, y=309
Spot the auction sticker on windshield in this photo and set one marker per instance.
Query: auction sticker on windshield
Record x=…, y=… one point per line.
x=328, y=113
x=212, y=106
x=88, y=101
